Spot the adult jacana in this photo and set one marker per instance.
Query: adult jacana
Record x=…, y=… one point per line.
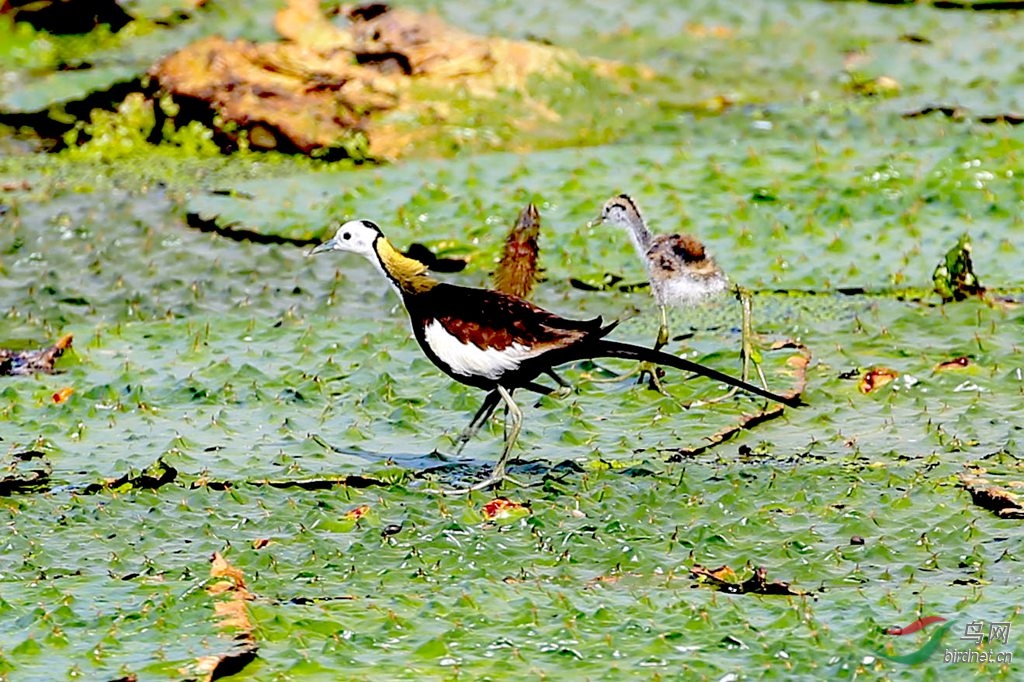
x=494, y=341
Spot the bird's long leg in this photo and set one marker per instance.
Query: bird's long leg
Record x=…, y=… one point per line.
x=491, y=401
x=487, y=408
x=747, y=330
x=517, y=424
x=646, y=369
x=662, y=331
x=564, y=387
x=746, y=347
x=498, y=473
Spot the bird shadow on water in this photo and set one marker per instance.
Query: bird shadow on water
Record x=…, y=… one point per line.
x=446, y=469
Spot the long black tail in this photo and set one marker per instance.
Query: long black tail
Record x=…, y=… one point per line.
x=615, y=349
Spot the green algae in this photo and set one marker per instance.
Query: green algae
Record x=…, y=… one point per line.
x=247, y=367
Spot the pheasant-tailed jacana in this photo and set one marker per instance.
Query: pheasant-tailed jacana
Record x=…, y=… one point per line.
x=495, y=341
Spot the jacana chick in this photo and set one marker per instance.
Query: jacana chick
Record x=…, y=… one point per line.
x=680, y=270
x=495, y=341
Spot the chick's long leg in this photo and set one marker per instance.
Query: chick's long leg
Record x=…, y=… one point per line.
x=645, y=369
x=564, y=387
x=648, y=369
x=748, y=334
x=746, y=347
x=662, y=339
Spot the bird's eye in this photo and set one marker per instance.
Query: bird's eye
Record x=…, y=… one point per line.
x=347, y=235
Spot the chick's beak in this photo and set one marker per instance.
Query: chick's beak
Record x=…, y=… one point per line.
x=596, y=221
x=320, y=248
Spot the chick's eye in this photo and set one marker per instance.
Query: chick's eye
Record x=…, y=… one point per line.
x=347, y=235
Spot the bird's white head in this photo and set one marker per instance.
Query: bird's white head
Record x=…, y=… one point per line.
x=357, y=236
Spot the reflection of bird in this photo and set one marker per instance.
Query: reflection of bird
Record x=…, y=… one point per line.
x=680, y=270
x=495, y=341
x=517, y=270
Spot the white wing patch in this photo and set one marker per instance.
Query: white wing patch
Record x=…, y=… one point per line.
x=468, y=360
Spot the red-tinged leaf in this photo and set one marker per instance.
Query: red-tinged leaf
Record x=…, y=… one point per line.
x=503, y=508
x=955, y=363
x=357, y=513
x=915, y=626
x=875, y=378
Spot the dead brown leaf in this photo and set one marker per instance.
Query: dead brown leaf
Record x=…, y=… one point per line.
x=955, y=363
x=155, y=476
x=985, y=493
x=220, y=568
x=231, y=613
x=725, y=579
x=357, y=513
x=516, y=273
x=22, y=363
x=62, y=395
x=302, y=21
x=875, y=378
x=502, y=507
x=25, y=472
x=958, y=113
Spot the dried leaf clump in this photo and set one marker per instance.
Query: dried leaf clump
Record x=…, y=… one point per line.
x=321, y=89
x=21, y=363
x=725, y=579
x=998, y=499
x=228, y=583
x=516, y=273
x=875, y=378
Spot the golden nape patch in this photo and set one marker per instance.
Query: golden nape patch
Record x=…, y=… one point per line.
x=410, y=274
